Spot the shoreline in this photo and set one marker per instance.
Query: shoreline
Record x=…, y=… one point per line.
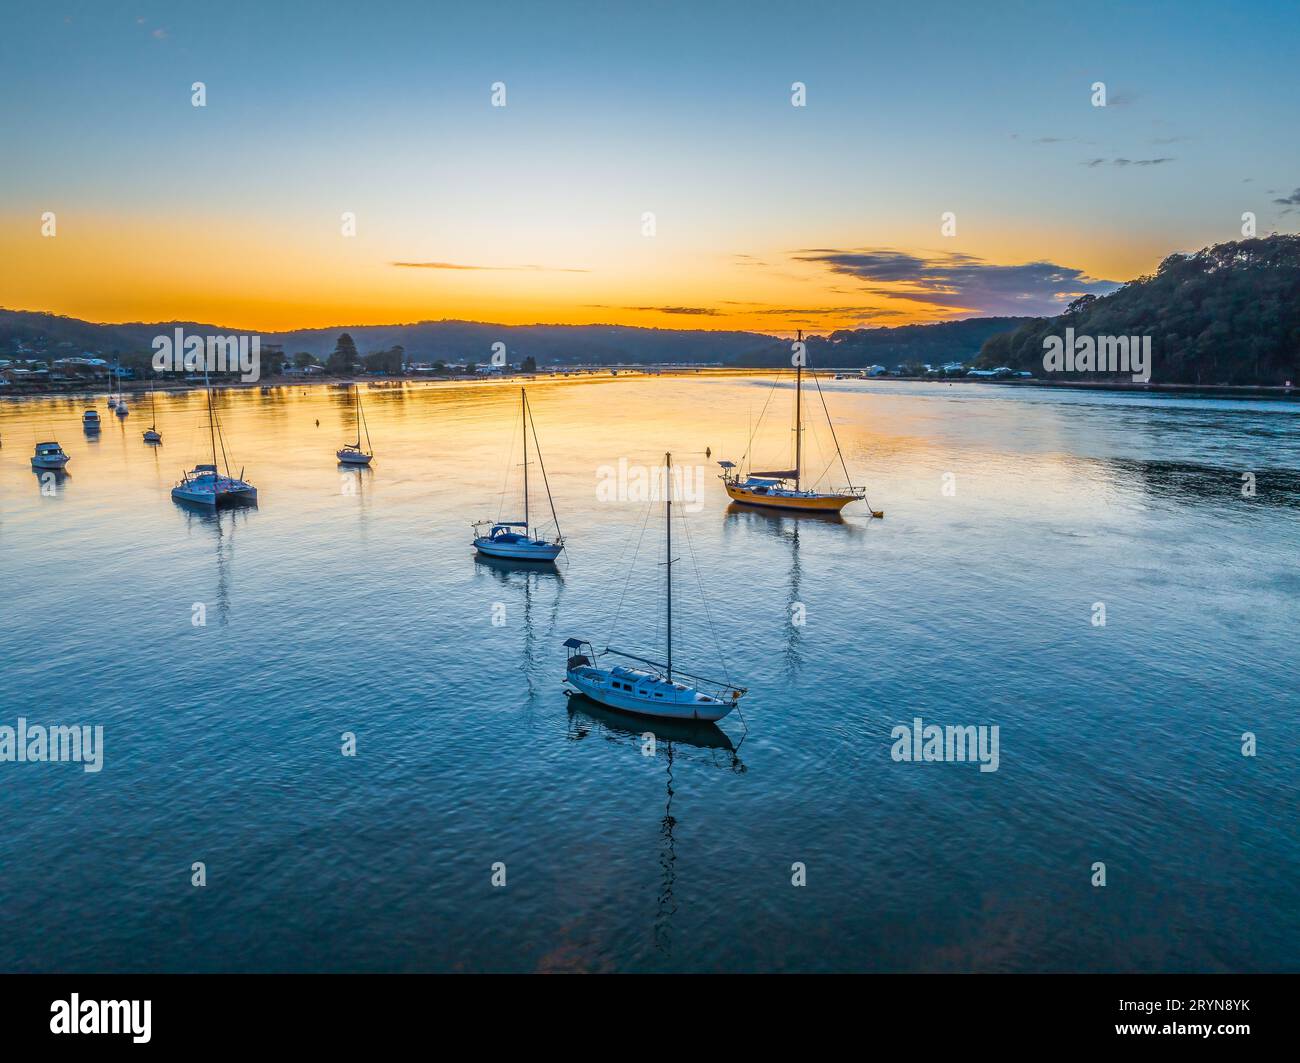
x=138, y=387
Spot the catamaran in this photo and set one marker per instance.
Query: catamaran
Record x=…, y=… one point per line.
x=151, y=434
x=49, y=456
x=352, y=454
x=503, y=540
x=203, y=485
x=647, y=687
x=784, y=488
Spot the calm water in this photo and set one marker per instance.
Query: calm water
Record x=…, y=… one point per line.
x=352, y=602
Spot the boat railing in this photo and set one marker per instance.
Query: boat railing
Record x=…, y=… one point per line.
x=726, y=688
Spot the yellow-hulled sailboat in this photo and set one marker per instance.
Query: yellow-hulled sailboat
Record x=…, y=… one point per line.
x=783, y=488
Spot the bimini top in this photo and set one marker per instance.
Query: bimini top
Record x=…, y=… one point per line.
x=573, y=644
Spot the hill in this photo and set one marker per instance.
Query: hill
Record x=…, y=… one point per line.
x=912, y=345
x=1228, y=314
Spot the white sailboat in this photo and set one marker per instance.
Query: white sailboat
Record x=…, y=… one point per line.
x=203, y=485
x=647, y=687
x=351, y=453
x=503, y=539
x=151, y=434
x=121, y=407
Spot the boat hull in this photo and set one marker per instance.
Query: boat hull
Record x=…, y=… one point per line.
x=49, y=463
x=599, y=691
x=517, y=551
x=216, y=499
x=804, y=503
x=354, y=457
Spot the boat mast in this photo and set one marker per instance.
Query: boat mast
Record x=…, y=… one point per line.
x=357, y=391
x=798, y=403
x=537, y=447
x=668, y=516
x=212, y=429
x=523, y=400
x=362, y=414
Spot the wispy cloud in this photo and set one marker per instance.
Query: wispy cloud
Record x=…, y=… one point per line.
x=813, y=311
x=702, y=311
x=513, y=269
x=1129, y=162
x=960, y=281
x=1293, y=200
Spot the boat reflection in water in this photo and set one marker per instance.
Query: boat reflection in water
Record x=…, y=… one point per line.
x=528, y=576
x=221, y=524
x=671, y=737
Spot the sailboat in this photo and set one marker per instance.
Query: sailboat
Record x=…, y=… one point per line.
x=112, y=398
x=203, y=485
x=783, y=488
x=502, y=540
x=152, y=435
x=352, y=454
x=647, y=687
x=121, y=406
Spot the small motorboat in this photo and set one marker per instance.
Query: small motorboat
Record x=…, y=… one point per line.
x=49, y=456
x=90, y=421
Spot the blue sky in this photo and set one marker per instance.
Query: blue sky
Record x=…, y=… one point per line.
x=616, y=109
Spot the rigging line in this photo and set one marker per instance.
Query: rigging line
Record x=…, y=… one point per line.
x=847, y=479
x=216, y=423
x=757, y=424
x=545, y=482
x=613, y=629
x=695, y=562
x=505, y=480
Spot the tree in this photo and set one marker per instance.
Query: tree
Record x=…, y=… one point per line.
x=302, y=359
x=530, y=364
x=384, y=361
x=344, y=356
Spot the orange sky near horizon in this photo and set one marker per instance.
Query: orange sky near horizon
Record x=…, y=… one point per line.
x=291, y=274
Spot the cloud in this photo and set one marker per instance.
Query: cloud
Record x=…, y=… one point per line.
x=458, y=266
x=1292, y=200
x=690, y=310
x=1129, y=162
x=958, y=281
x=817, y=311
x=703, y=311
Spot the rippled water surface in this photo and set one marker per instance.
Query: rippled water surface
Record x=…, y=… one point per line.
x=352, y=602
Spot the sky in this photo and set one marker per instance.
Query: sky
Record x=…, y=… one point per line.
x=648, y=167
